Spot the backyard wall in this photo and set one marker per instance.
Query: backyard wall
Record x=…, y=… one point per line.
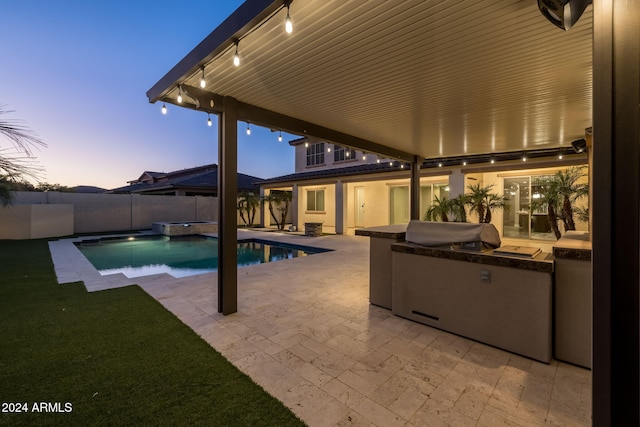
x=92, y=213
x=36, y=221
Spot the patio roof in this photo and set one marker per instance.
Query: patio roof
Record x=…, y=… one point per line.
x=432, y=79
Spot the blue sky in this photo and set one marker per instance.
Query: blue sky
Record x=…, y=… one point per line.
x=76, y=72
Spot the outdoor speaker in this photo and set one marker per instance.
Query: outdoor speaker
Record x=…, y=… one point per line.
x=563, y=13
x=579, y=145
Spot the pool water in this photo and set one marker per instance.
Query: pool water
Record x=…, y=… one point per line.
x=178, y=256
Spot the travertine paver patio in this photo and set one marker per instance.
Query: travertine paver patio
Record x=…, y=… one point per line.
x=306, y=333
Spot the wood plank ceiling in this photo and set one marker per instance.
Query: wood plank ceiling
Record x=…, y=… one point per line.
x=433, y=78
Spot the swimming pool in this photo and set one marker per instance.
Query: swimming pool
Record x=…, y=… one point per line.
x=178, y=256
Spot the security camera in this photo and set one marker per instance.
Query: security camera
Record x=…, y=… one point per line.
x=563, y=13
x=579, y=145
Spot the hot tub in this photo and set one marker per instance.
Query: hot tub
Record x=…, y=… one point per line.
x=185, y=228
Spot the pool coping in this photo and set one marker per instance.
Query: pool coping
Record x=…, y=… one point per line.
x=72, y=266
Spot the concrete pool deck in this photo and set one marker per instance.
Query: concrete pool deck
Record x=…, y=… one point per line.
x=307, y=334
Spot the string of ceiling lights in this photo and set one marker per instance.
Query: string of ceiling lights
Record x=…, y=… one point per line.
x=288, y=27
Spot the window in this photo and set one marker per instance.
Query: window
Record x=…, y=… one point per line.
x=315, y=200
x=343, y=153
x=399, y=205
x=315, y=154
x=524, y=213
x=428, y=192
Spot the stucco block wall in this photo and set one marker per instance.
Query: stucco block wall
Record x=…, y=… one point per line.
x=36, y=221
x=92, y=213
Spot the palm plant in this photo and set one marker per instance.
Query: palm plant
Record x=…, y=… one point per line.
x=492, y=202
x=278, y=200
x=482, y=201
x=559, y=195
x=248, y=203
x=16, y=162
x=439, y=209
x=570, y=190
x=549, y=201
x=475, y=199
x=458, y=209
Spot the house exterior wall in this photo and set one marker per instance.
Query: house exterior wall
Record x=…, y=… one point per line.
x=377, y=196
x=329, y=163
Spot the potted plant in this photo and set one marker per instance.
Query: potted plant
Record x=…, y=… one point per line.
x=559, y=195
x=482, y=201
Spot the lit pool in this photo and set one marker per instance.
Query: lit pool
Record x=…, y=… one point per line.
x=178, y=256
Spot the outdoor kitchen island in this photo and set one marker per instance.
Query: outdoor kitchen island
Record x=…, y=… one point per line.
x=501, y=300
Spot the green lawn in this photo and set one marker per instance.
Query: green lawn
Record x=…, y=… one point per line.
x=114, y=357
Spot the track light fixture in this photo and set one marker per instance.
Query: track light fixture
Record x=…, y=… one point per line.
x=203, y=82
x=288, y=25
x=236, y=56
x=164, y=108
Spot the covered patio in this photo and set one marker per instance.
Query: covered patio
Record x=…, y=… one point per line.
x=414, y=80
x=306, y=333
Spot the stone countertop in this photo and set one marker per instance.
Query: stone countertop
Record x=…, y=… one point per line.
x=573, y=247
x=543, y=262
x=396, y=231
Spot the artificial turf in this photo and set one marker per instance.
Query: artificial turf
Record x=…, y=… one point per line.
x=113, y=357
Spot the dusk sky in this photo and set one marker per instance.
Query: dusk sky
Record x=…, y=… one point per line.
x=76, y=72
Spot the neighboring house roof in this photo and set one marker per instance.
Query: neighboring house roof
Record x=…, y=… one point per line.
x=88, y=189
x=201, y=178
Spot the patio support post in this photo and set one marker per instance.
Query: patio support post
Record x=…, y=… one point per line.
x=227, y=212
x=294, y=205
x=341, y=203
x=262, y=215
x=616, y=213
x=414, y=188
